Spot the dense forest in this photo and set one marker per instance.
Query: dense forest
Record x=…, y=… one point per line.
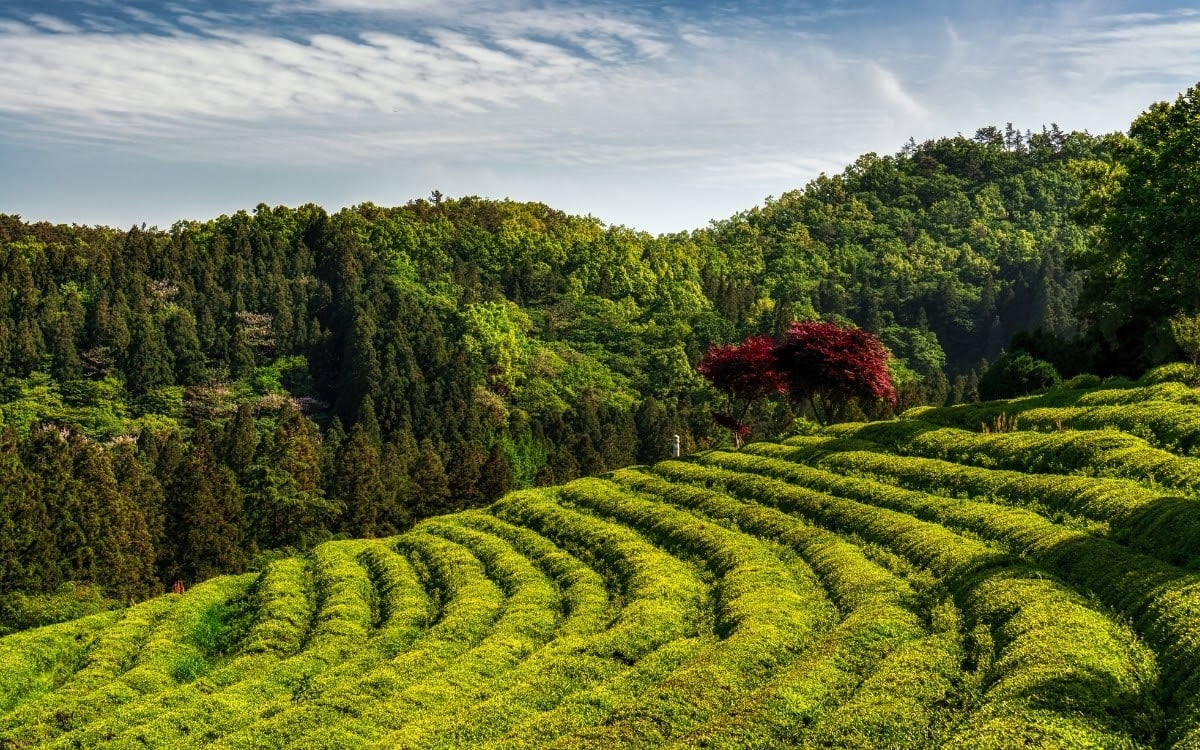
x=179, y=403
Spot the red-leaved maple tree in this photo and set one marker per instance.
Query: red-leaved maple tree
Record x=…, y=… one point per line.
x=744, y=372
x=835, y=365
x=821, y=364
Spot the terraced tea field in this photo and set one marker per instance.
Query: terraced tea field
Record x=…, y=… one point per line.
x=906, y=584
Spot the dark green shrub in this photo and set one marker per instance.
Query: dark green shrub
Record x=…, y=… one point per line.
x=1017, y=375
x=1086, y=380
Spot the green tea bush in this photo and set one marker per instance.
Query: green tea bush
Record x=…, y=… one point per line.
x=963, y=563
x=110, y=655
x=71, y=601
x=550, y=675
x=764, y=615
x=525, y=622
x=585, y=600
x=404, y=608
x=37, y=661
x=333, y=677
x=1083, y=381
x=1103, y=452
x=1170, y=391
x=664, y=596
x=1163, y=602
x=877, y=620
x=1175, y=372
x=284, y=608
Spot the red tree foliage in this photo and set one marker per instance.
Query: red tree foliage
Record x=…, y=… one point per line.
x=745, y=370
x=834, y=362
x=814, y=360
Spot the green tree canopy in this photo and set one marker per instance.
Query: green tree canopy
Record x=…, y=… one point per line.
x=1146, y=267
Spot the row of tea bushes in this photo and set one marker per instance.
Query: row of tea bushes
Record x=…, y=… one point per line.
x=973, y=570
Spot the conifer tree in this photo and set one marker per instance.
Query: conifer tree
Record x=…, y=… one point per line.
x=28, y=555
x=430, y=485
x=357, y=484
x=45, y=453
x=618, y=444
x=362, y=376
x=183, y=342
x=468, y=459
x=496, y=479
x=653, y=431
x=147, y=363
x=240, y=440
x=335, y=436
x=64, y=358
x=399, y=455
x=204, y=509
x=121, y=555
x=143, y=489
x=285, y=501
x=241, y=358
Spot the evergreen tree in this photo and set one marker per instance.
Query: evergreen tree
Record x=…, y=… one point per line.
x=64, y=358
x=241, y=361
x=399, y=455
x=184, y=344
x=143, y=490
x=121, y=555
x=205, y=506
x=28, y=555
x=357, y=484
x=45, y=453
x=147, y=363
x=496, y=479
x=654, y=432
x=285, y=500
x=468, y=459
x=240, y=440
x=618, y=444
x=430, y=485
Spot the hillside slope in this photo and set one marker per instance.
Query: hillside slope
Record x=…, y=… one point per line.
x=895, y=584
x=449, y=350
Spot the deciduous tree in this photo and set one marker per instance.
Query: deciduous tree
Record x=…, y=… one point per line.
x=744, y=372
x=830, y=366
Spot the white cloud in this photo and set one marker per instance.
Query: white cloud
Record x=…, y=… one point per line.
x=52, y=24
x=572, y=92
x=888, y=87
x=1073, y=62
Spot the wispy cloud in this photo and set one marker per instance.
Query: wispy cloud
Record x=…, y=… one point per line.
x=1067, y=64
x=719, y=97
x=52, y=24
x=225, y=74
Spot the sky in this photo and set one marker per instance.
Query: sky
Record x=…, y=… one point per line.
x=658, y=116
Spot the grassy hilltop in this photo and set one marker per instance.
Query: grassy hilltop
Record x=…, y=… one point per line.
x=914, y=583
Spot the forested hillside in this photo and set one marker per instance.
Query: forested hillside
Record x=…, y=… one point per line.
x=175, y=402
x=899, y=584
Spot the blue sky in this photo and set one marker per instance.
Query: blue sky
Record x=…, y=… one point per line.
x=658, y=116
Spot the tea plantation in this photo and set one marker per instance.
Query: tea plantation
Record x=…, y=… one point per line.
x=916, y=583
